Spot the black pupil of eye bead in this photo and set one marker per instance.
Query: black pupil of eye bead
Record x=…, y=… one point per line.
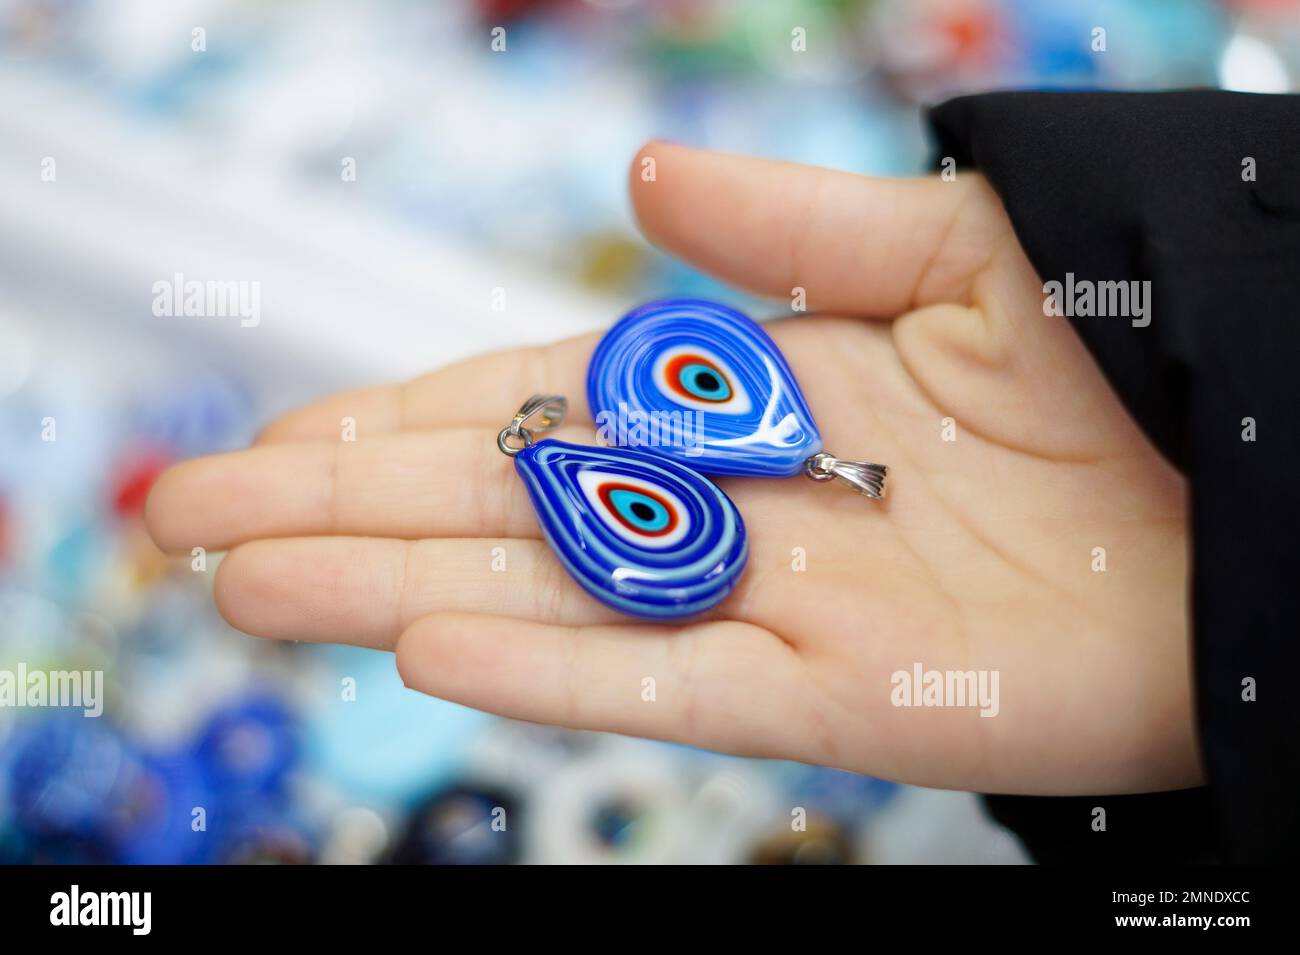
x=643, y=510
x=707, y=381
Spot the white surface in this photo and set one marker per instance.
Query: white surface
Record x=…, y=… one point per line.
x=346, y=293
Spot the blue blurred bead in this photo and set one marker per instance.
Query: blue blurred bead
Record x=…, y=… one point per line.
x=249, y=746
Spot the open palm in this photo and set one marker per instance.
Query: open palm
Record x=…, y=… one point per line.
x=1030, y=529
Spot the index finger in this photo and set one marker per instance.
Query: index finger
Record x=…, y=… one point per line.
x=483, y=390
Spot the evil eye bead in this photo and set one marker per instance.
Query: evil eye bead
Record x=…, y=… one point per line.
x=642, y=512
x=709, y=383
x=641, y=533
x=696, y=377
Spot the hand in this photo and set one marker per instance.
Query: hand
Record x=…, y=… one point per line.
x=981, y=558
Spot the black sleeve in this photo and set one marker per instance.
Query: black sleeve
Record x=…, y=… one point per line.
x=1199, y=193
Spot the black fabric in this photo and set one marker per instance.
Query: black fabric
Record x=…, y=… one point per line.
x=1150, y=186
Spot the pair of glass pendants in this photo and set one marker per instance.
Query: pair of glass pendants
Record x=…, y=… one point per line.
x=705, y=391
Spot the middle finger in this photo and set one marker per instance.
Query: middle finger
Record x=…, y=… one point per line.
x=452, y=483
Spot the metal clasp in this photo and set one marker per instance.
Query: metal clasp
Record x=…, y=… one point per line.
x=865, y=478
x=549, y=410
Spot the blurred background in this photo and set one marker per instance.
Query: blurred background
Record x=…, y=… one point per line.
x=405, y=195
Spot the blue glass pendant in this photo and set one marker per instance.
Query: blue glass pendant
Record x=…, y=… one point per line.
x=704, y=384
x=639, y=532
x=718, y=371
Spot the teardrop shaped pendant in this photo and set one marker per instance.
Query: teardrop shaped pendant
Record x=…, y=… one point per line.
x=705, y=385
x=644, y=534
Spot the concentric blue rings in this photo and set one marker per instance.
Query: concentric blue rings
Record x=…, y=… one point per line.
x=679, y=553
x=719, y=392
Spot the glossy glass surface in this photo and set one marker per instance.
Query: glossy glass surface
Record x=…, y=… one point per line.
x=641, y=533
x=703, y=384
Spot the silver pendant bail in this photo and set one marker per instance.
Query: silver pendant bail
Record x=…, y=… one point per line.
x=549, y=411
x=865, y=478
